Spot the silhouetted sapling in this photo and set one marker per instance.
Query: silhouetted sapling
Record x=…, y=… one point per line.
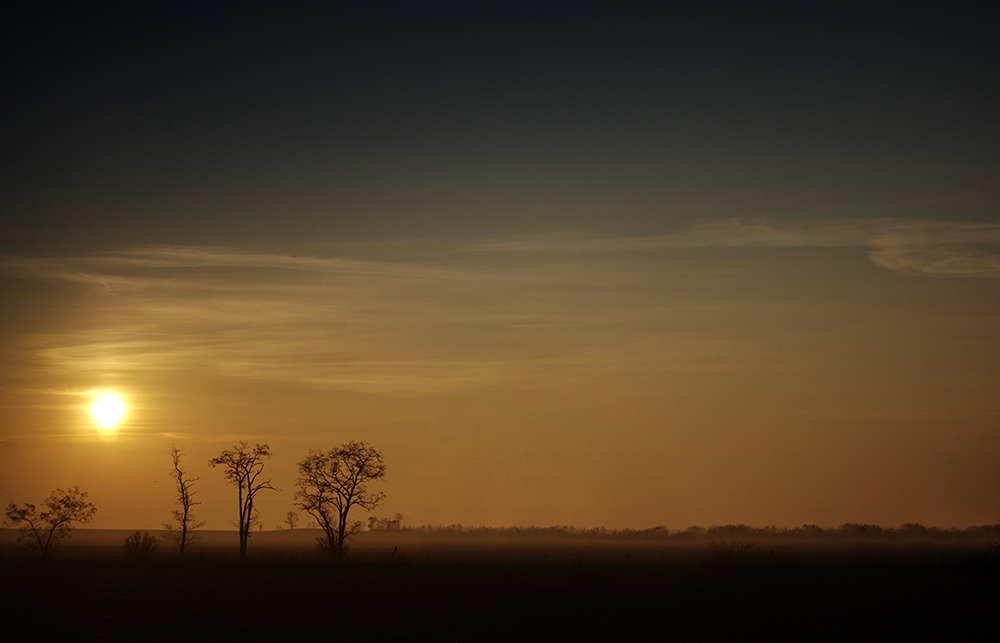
x=181, y=528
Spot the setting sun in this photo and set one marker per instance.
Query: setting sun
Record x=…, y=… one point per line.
x=108, y=411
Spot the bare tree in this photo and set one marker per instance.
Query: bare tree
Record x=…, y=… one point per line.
x=243, y=466
x=182, y=526
x=63, y=507
x=331, y=483
x=292, y=519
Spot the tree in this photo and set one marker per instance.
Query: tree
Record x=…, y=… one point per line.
x=331, y=483
x=183, y=524
x=291, y=519
x=63, y=507
x=244, y=466
x=385, y=524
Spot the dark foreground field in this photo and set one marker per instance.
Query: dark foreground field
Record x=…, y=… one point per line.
x=498, y=591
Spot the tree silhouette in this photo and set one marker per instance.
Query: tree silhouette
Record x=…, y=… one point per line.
x=292, y=519
x=183, y=524
x=63, y=507
x=243, y=466
x=331, y=483
x=385, y=524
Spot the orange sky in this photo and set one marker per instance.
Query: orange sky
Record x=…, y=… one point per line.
x=662, y=264
x=760, y=372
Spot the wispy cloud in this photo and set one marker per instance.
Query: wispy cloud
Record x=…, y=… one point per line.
x=332, y=322
x=938, y=249
x=920, y=247
x=449, y=316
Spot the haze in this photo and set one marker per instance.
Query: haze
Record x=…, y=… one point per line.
x=581, y=267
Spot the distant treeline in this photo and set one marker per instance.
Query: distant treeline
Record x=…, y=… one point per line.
x=848, y=530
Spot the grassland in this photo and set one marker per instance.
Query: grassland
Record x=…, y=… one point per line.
x=489, y=587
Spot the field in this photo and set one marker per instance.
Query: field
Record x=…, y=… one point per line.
x=411, y=586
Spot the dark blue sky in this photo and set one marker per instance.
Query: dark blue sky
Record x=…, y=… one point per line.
x=156, y=124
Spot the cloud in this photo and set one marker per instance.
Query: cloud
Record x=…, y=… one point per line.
x=937, y=249
x=437, y=316
x=727, y=233
x=171, y=265
x=361, y=324
x=937, y=261
x=921, y=247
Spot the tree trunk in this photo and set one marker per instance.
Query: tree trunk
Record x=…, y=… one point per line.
x=341, y=528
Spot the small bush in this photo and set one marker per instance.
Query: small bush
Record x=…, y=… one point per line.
x=140, y=546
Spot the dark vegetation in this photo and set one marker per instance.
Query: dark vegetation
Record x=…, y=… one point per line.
x=140, y=546
x=329, y=485
x=459, y=583
x=40, y=529
x=478, y=585
x=843, y=533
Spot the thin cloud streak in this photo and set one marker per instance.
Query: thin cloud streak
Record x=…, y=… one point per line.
x=947, y=261
x=369, y=326
x=450, y=316
x=922, y=247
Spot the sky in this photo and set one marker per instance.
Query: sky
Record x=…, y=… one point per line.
x=563, y=265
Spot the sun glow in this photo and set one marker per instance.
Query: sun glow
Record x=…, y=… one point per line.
x=108, y=410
